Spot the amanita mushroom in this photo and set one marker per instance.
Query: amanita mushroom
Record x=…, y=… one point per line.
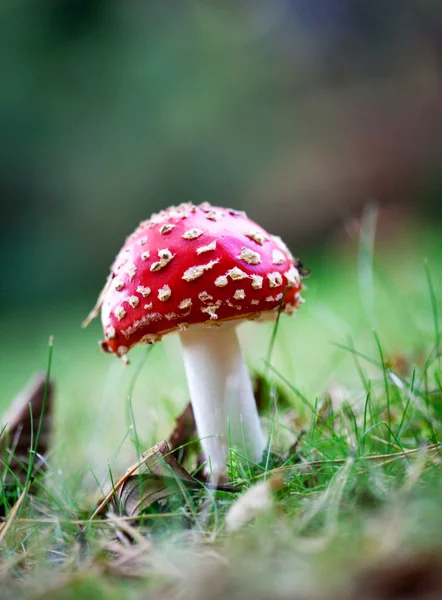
x=199, y=271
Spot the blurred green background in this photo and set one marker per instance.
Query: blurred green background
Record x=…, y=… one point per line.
x=302, y=113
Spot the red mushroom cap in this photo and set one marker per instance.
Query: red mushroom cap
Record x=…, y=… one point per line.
x=190, y=265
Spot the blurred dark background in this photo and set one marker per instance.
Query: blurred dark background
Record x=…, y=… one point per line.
x=299, y=111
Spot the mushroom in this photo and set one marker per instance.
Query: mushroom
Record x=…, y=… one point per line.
x=199, y=271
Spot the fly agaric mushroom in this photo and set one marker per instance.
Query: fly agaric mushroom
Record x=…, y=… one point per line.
x=199, y=271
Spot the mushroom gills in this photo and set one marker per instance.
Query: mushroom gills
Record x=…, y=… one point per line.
x=222, y=396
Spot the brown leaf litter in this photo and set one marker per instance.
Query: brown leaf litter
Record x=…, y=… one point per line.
x=21, y=425
x=155, y=477
x=183, y=433
x=414, y=577
x=17, y=439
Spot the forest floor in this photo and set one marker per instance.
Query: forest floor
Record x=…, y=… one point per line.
x=345, y=504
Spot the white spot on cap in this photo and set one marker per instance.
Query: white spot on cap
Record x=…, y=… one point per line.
x=186, y=303
x=192, y=234
x=249, y=256
x=142, y=241
x=275, y=279
x=165, y=256
x=120, y=313
x=110, y=333
x=214, y=215
x=171, y=316
x=239, y=295
x=254, y=302
x=148, y=306
x=211, y=246
x=270, y=299
x=118, y=285
x=257, y=282
x=292, y=276
x=211, y=310
x=205, y=297
x=145, y=320
x=236, y=274
x=183, y=326
x=256, y=236
x=134, y=301
x=221, y=281
x=290, y=309
x=279, y=296
x=194, y=272
x=278, y=257
x=164, y=293
x=144, y=291
x=166, y=228
x=130, y=269
x=145, y=255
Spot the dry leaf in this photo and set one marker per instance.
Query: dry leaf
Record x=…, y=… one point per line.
x=20, y=430
x=180, y=444
x=418, y=577
x=156, y=476
x=183, y=432
x=159, y=461
x=141, y=491
x=255, y=501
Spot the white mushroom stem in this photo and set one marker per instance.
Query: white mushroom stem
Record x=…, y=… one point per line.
x=222, y=397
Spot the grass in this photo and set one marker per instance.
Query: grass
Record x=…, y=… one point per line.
x=354, y=407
